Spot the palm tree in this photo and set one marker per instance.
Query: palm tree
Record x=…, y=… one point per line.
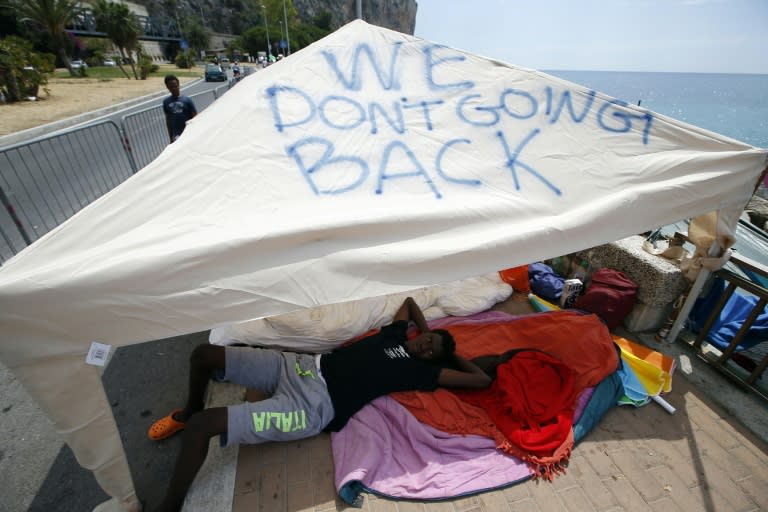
x=121, y=27
x=53, y=16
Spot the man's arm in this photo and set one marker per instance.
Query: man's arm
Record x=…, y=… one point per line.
x=411, y=311
x=468, y=375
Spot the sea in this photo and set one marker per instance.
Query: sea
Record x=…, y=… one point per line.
x=735, y=105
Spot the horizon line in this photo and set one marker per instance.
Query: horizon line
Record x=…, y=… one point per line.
x=651, y=71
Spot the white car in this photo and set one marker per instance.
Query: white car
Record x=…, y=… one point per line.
x=109, y=63
x=77, y=64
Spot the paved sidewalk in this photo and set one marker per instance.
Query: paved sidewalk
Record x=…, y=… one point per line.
x=634, y=460
x=711, y=455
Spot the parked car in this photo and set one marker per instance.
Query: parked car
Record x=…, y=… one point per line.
x=77, y=64
x=110, y=63
x=214, y=73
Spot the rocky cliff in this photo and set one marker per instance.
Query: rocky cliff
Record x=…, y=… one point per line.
x=399, y=15
x=234, y=16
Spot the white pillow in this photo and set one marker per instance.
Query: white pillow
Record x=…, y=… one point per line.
x=472, y=295
x=322, y=328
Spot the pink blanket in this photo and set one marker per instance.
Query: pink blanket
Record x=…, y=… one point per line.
x=384, y=449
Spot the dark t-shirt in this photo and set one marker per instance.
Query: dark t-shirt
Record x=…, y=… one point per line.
x=372, y=367
x=178, y=111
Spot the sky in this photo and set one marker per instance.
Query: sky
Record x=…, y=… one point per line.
x=692, y=36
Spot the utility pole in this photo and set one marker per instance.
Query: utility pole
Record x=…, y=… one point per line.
x=266, y=27
x=287, y=37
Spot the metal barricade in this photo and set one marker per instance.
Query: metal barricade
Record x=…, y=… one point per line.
x=220, y=90
x=46, y=181
x=13, y=236
x=745, y=358
x=204, y=100
x=146, y=135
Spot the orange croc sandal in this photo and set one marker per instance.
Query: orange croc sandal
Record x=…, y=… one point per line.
x=165, y=427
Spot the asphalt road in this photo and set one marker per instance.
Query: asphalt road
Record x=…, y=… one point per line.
x=38, y=472
x=143, y=382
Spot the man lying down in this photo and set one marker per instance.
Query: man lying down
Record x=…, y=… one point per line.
x=307, y=393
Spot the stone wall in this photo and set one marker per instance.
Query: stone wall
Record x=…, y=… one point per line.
x=221, y=15
x=757, y=211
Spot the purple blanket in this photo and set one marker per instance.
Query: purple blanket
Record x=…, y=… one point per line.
x=388, y=451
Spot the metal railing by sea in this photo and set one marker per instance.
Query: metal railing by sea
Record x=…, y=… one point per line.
x=739, y=349
x=46, y=181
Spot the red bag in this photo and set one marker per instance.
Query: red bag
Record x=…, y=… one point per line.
x=517, y=278
x=610, y=295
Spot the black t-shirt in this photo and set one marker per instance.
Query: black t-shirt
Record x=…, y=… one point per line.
x=372, y=367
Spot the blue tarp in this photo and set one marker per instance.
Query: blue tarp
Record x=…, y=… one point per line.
x=731, y=318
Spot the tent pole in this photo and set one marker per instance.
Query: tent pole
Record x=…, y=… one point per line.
x=685, y=310
x=693, y=294
x=359, y=9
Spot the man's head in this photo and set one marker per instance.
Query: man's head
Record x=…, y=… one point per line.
x=172, y=83
x=432, y=345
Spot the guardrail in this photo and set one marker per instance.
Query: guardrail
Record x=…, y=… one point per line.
x=46, y=181
x=739, y=350
x=146, y=135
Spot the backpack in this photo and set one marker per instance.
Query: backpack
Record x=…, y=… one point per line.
x=610, y=295
x=544, y=282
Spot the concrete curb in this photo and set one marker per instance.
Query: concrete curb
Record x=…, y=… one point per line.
x=45, y=129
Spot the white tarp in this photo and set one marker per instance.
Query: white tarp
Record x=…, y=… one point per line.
x=369, y=163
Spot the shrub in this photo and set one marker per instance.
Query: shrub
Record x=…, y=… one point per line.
x=95, y=60
x=185, y=60
x=145, y=66
x=22, y=70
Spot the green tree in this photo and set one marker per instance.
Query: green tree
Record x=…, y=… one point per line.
x=323, y=21
x=198, y=37
x=121, y=27
x=185, y=60
x=22, y=70
x=53, y=17
x=254, y=39
x=97, y=49
x=276, y=17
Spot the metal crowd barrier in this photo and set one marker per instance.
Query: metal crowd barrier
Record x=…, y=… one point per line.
x=46, y=181
x=743, y=364
x=145, y=132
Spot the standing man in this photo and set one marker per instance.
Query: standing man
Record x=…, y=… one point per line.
x=178, y=109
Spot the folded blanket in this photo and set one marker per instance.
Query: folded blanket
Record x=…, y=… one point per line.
x=531, y=401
